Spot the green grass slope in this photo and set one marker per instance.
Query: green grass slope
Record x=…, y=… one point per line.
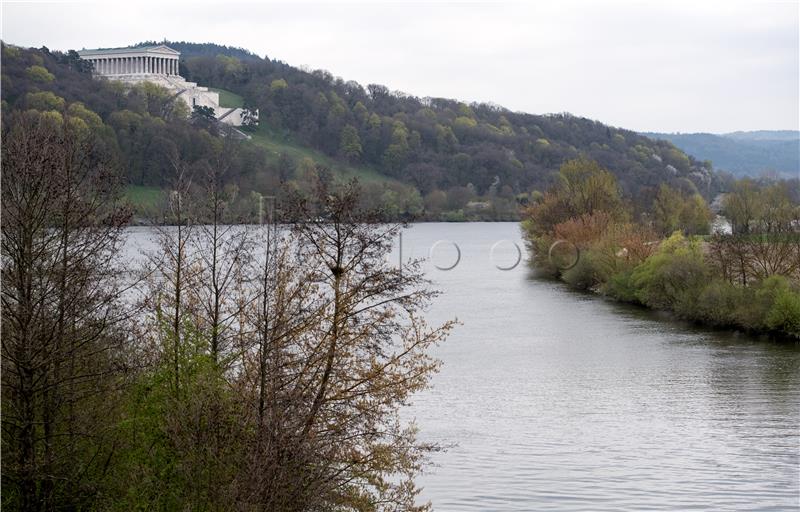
x=277, y=143
x=228, y=99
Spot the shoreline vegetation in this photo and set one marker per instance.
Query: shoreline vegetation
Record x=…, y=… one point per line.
x=581, y=232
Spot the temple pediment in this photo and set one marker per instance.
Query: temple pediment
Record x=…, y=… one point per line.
x=163, y=49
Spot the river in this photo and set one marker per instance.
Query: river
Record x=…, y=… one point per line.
x=563, y=401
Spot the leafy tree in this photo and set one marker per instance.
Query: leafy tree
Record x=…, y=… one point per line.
x=676, y=211
x=350, y=144
x=40, y=74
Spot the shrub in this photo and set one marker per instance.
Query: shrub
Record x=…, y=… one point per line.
x=778, y=303
x=720, y=303
x=784, y=315
x=673, y=276
x=621, y=286
x=586, y=274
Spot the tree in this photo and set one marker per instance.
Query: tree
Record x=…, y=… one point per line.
x=62, y=316
x=368, y=352
x=742, y=206
x=350, y=145
x=676, y=211
x=583, y=188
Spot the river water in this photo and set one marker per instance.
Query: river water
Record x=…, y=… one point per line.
x=561, y=401
x=554, y=400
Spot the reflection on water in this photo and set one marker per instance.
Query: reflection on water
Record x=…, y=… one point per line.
x=564, y=401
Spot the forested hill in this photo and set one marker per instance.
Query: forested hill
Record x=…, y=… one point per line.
x=433, y=143
x=435, y=157
x=754, y=154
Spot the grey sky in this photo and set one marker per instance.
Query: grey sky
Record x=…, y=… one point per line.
x=648, y=66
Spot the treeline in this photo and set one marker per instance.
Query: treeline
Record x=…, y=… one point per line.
x=583, y=232
x=239, y=368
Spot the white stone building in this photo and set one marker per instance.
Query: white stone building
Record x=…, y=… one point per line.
x=159, y=64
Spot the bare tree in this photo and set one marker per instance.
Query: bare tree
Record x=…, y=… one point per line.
x=61, y=314
x=223, y=248
x=345, y=370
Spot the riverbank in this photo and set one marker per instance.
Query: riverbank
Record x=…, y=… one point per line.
x=680, y=277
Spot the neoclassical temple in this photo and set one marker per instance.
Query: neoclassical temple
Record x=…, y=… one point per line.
x=159, y=64
x=146, y=60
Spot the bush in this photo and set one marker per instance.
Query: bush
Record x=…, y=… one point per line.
x=672, y=277
x=778, y=302
x=621, y=286
x=585, y=275
x=785, y=313
x=720, y=303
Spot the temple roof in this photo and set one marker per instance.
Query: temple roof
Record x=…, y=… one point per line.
x=159, y=48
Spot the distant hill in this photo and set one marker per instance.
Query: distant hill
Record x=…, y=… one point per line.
x=743, y=153
x=765, y=135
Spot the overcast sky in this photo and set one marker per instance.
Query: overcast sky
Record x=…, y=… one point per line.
x=648, y=66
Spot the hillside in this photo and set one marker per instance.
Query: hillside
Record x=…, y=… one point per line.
x=743, y=153
x=432, y=143
x=434, y=157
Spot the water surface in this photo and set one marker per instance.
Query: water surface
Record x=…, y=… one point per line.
x=563, y=401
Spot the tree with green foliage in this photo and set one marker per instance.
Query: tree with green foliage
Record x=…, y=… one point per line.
x=350, y=144
x=40, y=74
x=677, y=211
